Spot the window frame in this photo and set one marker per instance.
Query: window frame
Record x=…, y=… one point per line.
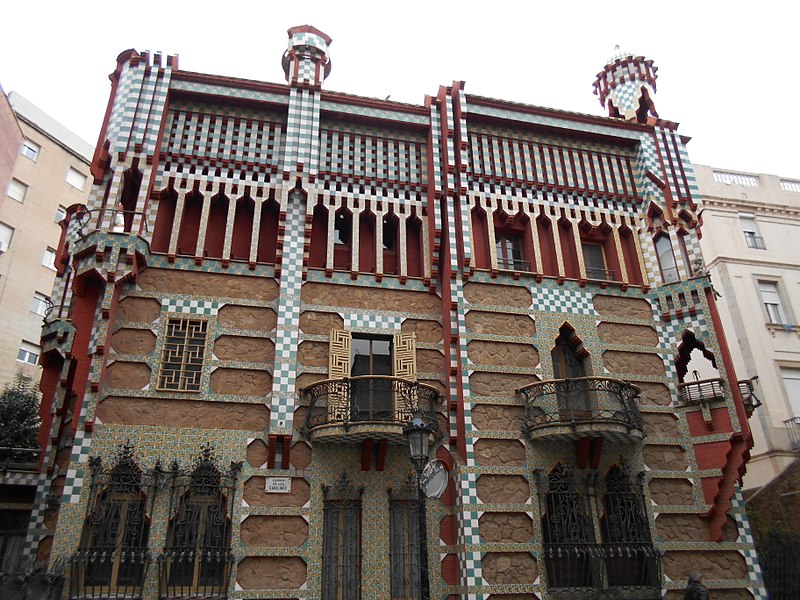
x=193, y=384
x=49, y=258
x=75, y=173
x=509, y=251
x=782, y=312
x=28, y=353
x=16, y=184
x=595, y=272
x=659, y=253
x=751, y=231
x=30, y=149
x=6, y=231
x=40, y=301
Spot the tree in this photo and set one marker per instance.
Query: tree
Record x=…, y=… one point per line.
x=19, y=414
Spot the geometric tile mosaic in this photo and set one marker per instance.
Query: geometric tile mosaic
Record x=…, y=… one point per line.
x=206, y=308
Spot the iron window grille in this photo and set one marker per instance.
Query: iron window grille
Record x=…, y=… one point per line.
x=404, y=559
x=182, y=355
x=197, y=560
x=341, y=541
x=113, y=557
x=579, y=511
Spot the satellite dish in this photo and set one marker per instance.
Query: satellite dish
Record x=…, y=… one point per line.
x=434, y=479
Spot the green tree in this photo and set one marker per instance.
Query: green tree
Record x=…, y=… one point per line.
x=19, y=414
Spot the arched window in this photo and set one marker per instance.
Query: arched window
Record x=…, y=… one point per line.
x=242, y=228
x=341, y=541
x=190, y=223
x=197, y=559
x=113, y=556
x=167, y=203
x=666, y=259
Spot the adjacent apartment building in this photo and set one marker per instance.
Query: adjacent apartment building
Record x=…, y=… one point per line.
x=50, y=173
x=751, y=227
x=277, y=296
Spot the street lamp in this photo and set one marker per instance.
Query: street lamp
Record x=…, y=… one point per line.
x=417, y=432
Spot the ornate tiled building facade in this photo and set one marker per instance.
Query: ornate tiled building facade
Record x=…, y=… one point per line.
x=270, y=281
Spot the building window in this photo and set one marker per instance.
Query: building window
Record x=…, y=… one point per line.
x=6, y=234
x=623, y=561
x=595, y=262
x=687, y=262
x=61, y=214
x=372, y=398
x=197, y=559
x=182, y=355
x=40, y=303
x=13, y=528
x=76, y=179
x=791, y=383
x=49, y=258
x=404, y=557
x=666, y=260
x=17, y=190
x=341, y=541
x=113, y=556
x=751, y=232
x=30, y=150
x=772, y=302
x=28, y=353
x=509, y=252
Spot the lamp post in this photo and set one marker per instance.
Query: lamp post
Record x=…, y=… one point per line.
x=417, y=432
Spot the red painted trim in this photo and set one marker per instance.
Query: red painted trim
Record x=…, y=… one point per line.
x=380, y=458
x=366, y=454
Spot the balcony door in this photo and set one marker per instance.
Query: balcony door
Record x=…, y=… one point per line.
x=573, y=396
x=371, y=399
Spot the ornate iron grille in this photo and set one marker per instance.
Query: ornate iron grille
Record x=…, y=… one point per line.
x=581, y=400
x=197, y=560
x=369, y=398
x=701, y=392
x=624, y=565
x=630, y=558
x=341, y=541
x=182, y=355
x=404, y=560
x=567, y=532
x=113, y=557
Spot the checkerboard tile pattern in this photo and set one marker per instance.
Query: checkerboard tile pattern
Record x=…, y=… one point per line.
x=288, y=328
x=36, y=524
x=563, y=299
x=739, y=513
x=371, y=321
x=206, y=308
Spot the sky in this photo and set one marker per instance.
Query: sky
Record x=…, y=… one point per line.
x=727, y=70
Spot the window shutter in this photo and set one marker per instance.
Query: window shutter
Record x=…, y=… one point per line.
x=405, y=356
x=339, y=354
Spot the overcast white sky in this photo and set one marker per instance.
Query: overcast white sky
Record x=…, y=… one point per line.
x=728, y=71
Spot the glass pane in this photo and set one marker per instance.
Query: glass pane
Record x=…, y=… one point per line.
x=361, y=363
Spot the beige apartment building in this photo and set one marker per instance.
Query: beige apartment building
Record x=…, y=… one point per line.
x=50, y=174
x=751, y=244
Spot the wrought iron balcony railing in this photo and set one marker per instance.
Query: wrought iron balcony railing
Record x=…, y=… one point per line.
x=368, y=400
x=189, y=573
x=701, y=392
x=19, y=459
x=109, y=574
x=513, y=264
x=749, y=398
x=793, y=429
x=600, y=571
x=599, y=274
x=567, y=408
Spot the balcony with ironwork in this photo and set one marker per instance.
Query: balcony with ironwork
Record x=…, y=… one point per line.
x=571, y=409
x=371, y=406
x=190, y=573
x=749, y=398
x=108, y=574
x=701, y=392
x=793, y=429
x=513, y=264
x=599, y=274
x=581, y=571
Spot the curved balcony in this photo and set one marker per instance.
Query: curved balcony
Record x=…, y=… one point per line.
x=371, y=406
x=701, y=392
x=571, y=409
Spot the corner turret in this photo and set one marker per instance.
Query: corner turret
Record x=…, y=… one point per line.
x=626, y=87
x=306, y=61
